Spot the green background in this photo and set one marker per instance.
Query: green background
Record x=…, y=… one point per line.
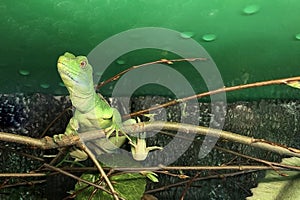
x=255, y=40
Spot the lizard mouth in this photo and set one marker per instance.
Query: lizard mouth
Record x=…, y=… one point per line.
x=62, y=69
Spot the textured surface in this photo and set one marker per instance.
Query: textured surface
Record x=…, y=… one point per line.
x=27, y=115
x=249, y=40
x=276, y=186
x=273, y=120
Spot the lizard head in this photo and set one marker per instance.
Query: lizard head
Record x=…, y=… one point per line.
x=76, y=73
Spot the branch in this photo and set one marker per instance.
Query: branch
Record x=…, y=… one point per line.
x=76, y=178
x=22, y=174
x=225, y=89
x=188, y=128
x=48, y=143
x=102, y=172
x=43, y=143
x=200, y=179
x=200, y=168
x=117, y=76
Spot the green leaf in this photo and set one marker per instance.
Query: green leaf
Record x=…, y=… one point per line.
x=274, y=186
x=130, y=186
x=294, y=84
x=151, y=175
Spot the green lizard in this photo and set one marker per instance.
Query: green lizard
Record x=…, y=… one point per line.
x=92, y=112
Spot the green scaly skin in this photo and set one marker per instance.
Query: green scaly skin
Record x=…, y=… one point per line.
x=92, y=112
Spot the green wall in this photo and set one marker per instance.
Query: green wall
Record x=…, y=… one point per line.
x=255, y=40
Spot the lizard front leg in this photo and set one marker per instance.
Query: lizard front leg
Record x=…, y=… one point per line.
x=117, y=125
x=72, y=129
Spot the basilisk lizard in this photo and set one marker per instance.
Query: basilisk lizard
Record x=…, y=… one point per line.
x=92, y=111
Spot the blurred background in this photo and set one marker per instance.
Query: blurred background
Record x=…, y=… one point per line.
x=249, y=40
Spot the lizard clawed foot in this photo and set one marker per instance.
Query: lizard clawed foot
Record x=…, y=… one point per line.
x=117, y=128
x=140, y=151
x=110, y=130
x=75, y=153
x=58, y=138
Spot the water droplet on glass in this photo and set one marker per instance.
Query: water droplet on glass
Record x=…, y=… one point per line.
x=245, y=78
x=251, y=9
x=209, y=37
x=213, y=12
x=186, y=35
x=61, y=84
x=121, y=62
x=44, y=85
x=165, y=53
x=24, y=72
x=297, y=36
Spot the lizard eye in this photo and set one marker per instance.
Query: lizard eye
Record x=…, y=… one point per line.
x=83, y=64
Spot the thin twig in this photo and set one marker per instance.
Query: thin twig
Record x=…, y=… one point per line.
x=102, y=172
x=188, y=184
x=117, y=76
x=75, y=177
x=220, y=90
x=271, y=164
x=22, y=174
x=53, y=121
x=199, y=168
x=199, y=179
x=31, y=183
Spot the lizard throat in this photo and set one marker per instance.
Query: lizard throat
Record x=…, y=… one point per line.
x=83, y=103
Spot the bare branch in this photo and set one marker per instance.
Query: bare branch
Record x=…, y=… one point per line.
x=200, y=168
x=188, y=128
x=48, y=143
x=117, y=76
x=22, y=174
x=200, y=179
x=75, y=177
x=220, y=90
x=43, y=143
x=102, y=172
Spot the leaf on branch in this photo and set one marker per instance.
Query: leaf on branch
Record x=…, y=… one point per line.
x=130, y=186
x=151, y=175
x=294, y=84
x=279, y=186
